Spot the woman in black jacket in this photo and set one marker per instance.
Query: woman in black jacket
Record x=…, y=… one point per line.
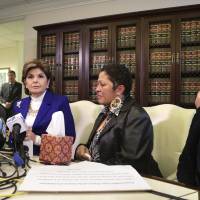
x=123, y=132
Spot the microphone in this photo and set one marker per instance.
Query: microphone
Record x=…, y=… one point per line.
x=16, y=119
x=2, y=133
x=17, y=127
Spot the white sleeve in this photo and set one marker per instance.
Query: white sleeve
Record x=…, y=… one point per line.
x=57, y=124
x=37, y=140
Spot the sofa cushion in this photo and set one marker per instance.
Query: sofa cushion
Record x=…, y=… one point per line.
x=171, y=125
x=84, y=114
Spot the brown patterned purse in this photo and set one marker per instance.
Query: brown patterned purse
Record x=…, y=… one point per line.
x=55, y=150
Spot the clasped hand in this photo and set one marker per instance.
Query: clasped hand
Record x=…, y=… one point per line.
x=82, y=153
x=30, y=135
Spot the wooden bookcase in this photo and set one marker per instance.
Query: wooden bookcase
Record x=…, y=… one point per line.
x=160, y=47
x=172, y=59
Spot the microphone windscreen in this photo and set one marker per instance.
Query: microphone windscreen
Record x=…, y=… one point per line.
x=16, y=119
x=2, y=133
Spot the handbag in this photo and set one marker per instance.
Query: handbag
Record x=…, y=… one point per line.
x=56, y=150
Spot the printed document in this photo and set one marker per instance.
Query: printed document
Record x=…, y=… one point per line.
x=83, y=177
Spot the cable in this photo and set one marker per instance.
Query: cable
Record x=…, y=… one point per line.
x=7, y=161
x=10, y=181
x=13, y=192
x=12, y=195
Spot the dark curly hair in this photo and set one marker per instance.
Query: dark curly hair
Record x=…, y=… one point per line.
x=36, y=64
x=119, y=75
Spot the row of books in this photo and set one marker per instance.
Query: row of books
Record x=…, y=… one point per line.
x=71, y=59
x=50, y=60
x=70, y=71
x=70, y=87
x=128, y=58
x=189, y=89
x=160, y=54
x=160, y=68
x=190, y=67
x=71, y=41
x=71, y=65
x=159, y=34
x=160, y=91
x=158, y=98
x=188, y=98
x=126, y=36
x=160, y=60
x=99, y=39
x=160, y=85
x=190, y=59
x=72, y=97
x=190, y=31
x=48, y=50
x=48, y=44
x=97, y=62
x=191, y=84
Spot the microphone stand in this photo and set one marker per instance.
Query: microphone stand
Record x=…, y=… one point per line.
x=20, y=156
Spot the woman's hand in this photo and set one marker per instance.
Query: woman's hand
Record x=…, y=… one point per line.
x=82, y=153
x=30, y=135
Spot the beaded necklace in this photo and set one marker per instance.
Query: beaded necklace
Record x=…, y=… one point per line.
x=32, y=112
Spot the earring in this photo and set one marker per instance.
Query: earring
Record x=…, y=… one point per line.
x=115, y=102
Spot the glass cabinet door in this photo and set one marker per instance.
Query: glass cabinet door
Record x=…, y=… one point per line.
x=160, y=63
x=70, y=65
x=48, y=54
x=99, y=55
x=189, y=60
x=126, y=49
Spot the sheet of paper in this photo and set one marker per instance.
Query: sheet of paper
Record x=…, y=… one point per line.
x=83, y=177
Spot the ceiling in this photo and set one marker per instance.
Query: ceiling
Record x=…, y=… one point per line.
x=12, y=13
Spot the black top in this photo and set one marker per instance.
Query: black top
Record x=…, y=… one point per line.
x=11, y=92
x=127, y=139
x=188, y=170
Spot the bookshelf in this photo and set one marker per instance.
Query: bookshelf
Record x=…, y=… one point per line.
x=48, y=54
x=160, y=68
x=189, y=59
x=70, y=64
x=109, y=43
x=160, y=47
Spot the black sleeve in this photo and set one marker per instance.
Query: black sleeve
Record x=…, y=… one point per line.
x=187, y=166
x=18, y=94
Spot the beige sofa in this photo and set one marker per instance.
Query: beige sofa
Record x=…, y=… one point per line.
x=170, y=122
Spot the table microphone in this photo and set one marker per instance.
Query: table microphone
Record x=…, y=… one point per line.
x=17, y=127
